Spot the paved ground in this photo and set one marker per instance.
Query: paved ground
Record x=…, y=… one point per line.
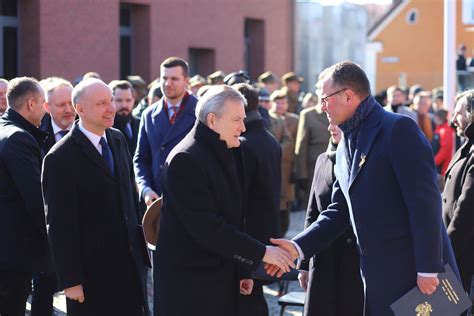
x=271, y=291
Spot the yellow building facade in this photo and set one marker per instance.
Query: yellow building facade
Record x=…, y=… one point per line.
x=410, y=42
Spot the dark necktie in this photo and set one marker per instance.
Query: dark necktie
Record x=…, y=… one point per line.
x=107, y=154
x=62, y=133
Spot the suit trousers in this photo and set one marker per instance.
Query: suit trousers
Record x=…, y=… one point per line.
x=44, y=287
x=14, y=290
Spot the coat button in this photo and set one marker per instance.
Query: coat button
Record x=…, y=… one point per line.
x=349, y=241
x=162, y=148
x=444, y=200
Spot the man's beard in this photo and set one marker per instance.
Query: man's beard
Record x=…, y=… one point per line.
x=122, y=120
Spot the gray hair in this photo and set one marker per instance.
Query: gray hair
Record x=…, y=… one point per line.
x=51, y=83
x=81, y=88
x=214, y=99
x=469, y=109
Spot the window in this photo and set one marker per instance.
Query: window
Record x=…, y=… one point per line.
x=412, y=16
x=125, y=41
x=9, y=39
x=135, y=40
x=254, y=55
x=468, y=11
x=201, y=61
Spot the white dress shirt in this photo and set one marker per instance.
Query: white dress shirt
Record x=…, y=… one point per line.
x=57, y=129
x=94, y=139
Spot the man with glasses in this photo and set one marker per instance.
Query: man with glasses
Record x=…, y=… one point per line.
x=386, y=189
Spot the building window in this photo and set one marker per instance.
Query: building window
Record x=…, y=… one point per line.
x=412, y=16
x=254, y=54
x=468, y=11
x=9, y=39
x=202, y=61
x=125, y=40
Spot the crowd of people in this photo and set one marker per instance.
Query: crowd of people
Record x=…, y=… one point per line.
x=386, y=181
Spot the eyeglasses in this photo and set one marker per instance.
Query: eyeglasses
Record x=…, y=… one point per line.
x=326, y=98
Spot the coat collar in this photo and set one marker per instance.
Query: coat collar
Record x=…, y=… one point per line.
x=17, y=119
x=183, y=122
x=368, y=132
x=91, y=152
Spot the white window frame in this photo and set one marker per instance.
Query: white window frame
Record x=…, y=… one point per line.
x=468, y=11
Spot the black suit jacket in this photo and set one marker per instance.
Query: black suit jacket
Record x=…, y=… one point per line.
x=93, y=223
x=201, y=240
x=23, y=241
x=458, y=207
x=135, y=126
x=48, y=128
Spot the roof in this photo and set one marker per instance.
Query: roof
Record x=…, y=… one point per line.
x=388, y=17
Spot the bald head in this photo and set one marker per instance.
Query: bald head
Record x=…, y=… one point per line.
x=92, y=99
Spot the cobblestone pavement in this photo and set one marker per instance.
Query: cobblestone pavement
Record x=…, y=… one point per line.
x=271, y=291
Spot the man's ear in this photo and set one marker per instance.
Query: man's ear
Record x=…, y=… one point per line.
x=79, y=109
x=211, y=120
x=46, y=107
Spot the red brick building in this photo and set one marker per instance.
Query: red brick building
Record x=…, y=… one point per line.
x=116, y=38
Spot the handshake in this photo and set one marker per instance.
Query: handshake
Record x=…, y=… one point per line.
x=280, y=259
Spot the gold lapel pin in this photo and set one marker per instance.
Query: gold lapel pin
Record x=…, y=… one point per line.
x=362, y=160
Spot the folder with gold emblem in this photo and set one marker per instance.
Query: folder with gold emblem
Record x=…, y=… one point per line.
x=449, y=299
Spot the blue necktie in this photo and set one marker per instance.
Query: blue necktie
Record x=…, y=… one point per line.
x=63, y=133
x=107, y=154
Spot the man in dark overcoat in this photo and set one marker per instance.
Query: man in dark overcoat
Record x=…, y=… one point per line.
x=92, y=212
x=262, y=158
x=57, y=122
x=124, y=120
x=400, y=234
x=24, y=248
x=332, y=277
x=203, y=254
x=458, y=194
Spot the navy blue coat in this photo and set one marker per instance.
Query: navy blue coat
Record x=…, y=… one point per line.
x=156, y=138
x=390, y=196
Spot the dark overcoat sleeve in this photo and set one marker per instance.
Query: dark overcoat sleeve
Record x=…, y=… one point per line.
x=413, y=165
x=22, y=157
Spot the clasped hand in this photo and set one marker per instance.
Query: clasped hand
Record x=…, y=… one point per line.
x=280, y=259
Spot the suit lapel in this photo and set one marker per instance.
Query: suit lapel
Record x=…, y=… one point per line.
x=183, y=122
x=365, y=140
x=342, y=165
x=455, y=158
x=89, y=150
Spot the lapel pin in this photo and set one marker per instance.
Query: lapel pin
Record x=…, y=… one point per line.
x=362, y=160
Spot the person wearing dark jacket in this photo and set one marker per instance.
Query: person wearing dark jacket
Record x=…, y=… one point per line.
x=458, y=194
x=203, y=254
x=262, y=158
x=57, y=122
x=92, y=212
x=23, y=240
x=124, y=120
x=332, y=277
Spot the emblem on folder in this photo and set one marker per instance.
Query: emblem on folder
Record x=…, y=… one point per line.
x=423, y=309
x=362, y=160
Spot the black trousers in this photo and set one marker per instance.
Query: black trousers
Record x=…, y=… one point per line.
x=44, y=287
x=14, y=290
